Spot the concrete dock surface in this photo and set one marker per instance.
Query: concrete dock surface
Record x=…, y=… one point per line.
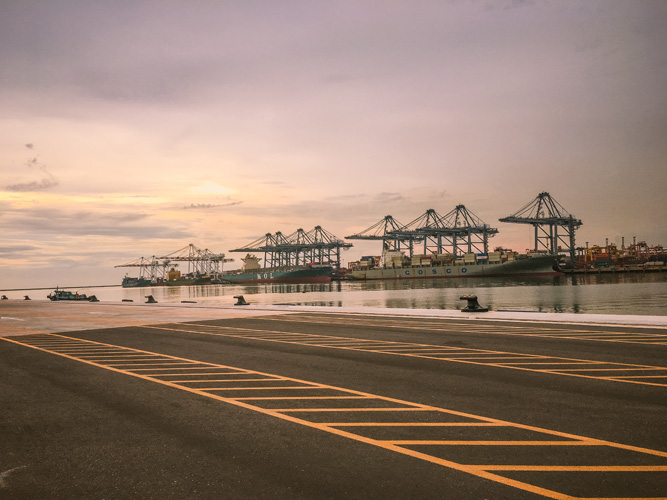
x=126, y=400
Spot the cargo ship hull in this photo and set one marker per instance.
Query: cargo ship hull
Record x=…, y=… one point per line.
x=129, y=282
x=532, y=266
x=201, y=280
x=280, y=275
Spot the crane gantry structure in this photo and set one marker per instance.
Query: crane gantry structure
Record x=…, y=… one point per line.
x=554, y=227
x=386, y=229
x=316, y=246
x=458, y=232
x=199, y=262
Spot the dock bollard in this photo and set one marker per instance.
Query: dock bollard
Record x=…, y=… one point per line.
x=4, y=297
x=150, y=300
x=473, y=305
x=240, y=301
x=25, y=297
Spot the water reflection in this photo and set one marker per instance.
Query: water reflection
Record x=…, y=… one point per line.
x=592, y=293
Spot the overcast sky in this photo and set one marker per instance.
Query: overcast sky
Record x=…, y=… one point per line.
x=133, y=128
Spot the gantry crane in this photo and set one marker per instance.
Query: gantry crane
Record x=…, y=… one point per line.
x=299, y=248
x=200, y=262
x=386, y=229
x=554, y=227
x=458, y=232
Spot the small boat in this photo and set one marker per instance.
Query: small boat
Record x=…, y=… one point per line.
x=58, y=294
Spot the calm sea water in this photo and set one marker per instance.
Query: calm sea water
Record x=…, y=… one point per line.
x=643, y=294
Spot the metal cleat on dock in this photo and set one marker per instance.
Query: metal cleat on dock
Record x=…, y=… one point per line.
x=240, y=301
x=150, y=300
x=473, y=305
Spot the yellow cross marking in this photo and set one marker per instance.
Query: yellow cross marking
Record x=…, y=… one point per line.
x=375, y=403
x=529, y=362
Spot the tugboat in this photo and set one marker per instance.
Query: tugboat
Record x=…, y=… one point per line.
x=58, y=294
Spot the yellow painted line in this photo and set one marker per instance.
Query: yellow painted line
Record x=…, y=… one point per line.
x=462, y=356
x=482, y=471
x=56, y=343
x=452, y=326
x=84, y=349
x=451, y=350
x=271, y=388
x=180, y=368
x=577, y=468
x=181, y=374
x=486, y=357
x=413, y=424
x=398, y=408
x=122, y=356
x=532, y=363
x=653, y=368
x=419, y=352
x=167, y=362
x=214, y=380
x=457, y=355
x=413, y=442
x=281, y=398
x=140, y=363
x=237, y=380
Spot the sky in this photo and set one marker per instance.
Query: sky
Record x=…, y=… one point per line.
x=134, y=128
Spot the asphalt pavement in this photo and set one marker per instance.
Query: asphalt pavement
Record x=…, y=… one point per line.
x=179, y=402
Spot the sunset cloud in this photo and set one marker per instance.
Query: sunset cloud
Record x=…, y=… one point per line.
x=131, y=126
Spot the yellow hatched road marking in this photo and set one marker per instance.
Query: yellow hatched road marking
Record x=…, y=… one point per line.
x=459, y=327
x=483, y=471
x=460, y=356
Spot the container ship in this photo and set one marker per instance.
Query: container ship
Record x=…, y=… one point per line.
x=251, y=272
x=395, y=265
